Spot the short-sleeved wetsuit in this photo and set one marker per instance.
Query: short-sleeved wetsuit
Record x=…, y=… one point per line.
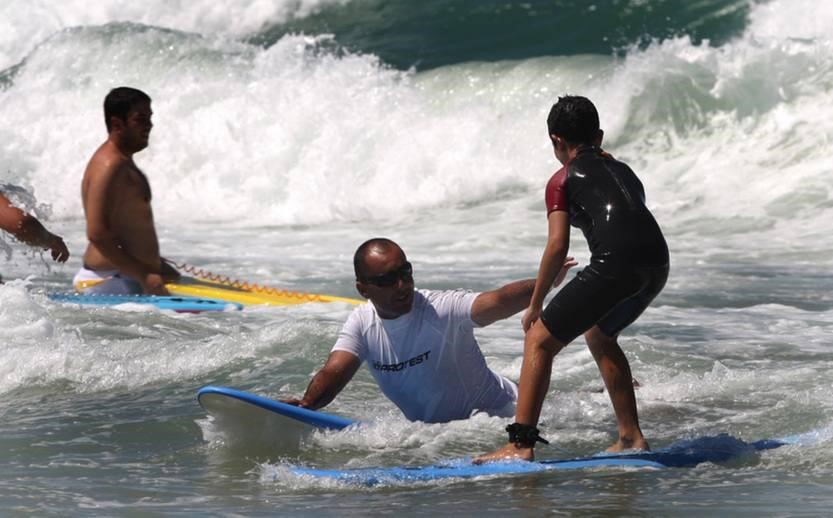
x=629, y=257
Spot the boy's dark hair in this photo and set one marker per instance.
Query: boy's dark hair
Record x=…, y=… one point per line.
x=120, y=101
x=574, y=119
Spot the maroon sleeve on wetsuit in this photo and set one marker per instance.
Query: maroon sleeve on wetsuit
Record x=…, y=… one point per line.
x=555, y=195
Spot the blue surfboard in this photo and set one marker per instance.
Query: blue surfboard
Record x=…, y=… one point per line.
x=178, y=304
x=681, y=454
x=261, y=424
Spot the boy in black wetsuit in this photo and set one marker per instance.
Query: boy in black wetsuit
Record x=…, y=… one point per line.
x=628, y=268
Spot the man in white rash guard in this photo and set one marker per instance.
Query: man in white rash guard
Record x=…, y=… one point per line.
x=419, y=345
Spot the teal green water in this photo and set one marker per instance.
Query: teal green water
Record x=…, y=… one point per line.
x=434, y=33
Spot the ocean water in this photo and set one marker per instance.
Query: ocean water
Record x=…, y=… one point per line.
x=289, y=131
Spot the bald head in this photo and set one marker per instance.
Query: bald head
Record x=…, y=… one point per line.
x=377, y=245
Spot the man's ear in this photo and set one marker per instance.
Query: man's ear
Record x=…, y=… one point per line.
x=116, y=123
x=361, y=290
x=599, y=137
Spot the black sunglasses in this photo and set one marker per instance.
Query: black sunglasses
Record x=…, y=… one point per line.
x=404, y=272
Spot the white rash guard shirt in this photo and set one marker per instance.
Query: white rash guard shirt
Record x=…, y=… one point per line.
x=427, y=361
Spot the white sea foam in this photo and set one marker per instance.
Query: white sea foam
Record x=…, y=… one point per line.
x=96, y=349
x=26, y=23
x=298, y=134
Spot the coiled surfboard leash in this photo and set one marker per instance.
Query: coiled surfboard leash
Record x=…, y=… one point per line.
x=251, y=287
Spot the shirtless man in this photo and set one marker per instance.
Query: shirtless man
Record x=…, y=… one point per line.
x=122, y=256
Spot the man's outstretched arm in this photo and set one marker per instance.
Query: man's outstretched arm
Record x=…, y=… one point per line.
x=29, y=230
x=491, y=306
x=340, y=368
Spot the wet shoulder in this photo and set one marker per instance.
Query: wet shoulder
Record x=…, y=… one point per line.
x=104, y=162
x=434, y=297
x=446, y=303
x=590, y=159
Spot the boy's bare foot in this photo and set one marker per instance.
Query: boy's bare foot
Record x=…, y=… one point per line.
x=508, y=452
x=629, y=444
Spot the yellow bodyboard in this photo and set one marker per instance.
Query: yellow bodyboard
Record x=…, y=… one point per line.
x=193, y=287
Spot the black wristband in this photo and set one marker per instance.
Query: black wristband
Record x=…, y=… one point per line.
x=524, y=435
